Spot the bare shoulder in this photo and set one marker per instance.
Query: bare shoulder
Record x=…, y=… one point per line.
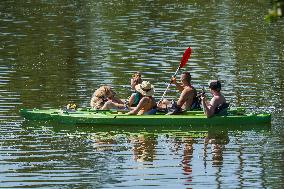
x=217, y=100
x=189, y=90
x=221, y=99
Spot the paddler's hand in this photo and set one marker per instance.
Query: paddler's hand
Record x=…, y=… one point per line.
x=203, y=97
x=174, y=80
x=159, y=103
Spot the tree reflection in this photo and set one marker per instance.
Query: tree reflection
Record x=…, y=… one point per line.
x=276, y=10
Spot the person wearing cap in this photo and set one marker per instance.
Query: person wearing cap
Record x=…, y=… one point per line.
x=187, y=94
x=147, y=104
x=218, y=101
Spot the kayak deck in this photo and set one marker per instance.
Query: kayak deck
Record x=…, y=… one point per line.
x=98, y=117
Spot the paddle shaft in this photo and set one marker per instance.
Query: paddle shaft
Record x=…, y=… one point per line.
x=169, y=85
x=183, y=61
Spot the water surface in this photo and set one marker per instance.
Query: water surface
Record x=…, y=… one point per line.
x=56, y=52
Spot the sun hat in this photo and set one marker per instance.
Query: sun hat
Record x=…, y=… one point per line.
x=145, y=88
x=215, y=85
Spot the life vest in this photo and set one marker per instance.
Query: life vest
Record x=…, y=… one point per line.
x=196, y=103
x=221, y=109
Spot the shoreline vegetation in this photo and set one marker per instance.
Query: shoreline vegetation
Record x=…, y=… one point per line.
x=276, y=10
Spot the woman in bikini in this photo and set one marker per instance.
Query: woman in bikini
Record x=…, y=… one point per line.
x=147, y=104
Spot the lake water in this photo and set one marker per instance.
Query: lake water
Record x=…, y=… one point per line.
x=56, y=52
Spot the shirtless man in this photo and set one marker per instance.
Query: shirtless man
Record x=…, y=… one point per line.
x=187, y=96
x=217, y=103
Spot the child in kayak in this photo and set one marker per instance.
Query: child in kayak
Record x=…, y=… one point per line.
x=147, y=104
x=105, y=98
x=218, y=103
x=187, y=97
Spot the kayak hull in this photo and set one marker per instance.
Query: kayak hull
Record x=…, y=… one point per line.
x=92, y=117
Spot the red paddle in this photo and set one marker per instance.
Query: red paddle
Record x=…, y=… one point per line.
x=182, y=63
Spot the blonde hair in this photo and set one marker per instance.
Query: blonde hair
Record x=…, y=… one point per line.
x=100, y=96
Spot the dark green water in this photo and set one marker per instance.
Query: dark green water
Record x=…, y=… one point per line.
x=56, y=52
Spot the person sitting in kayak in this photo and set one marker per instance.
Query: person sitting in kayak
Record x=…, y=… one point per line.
x=218, y=101
x=147, y=104
x=105, y=98
x=187, y=97
x=136, y=96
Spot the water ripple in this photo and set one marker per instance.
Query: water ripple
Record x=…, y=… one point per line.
x=54, y=53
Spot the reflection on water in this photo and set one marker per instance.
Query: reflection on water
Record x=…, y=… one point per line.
x=144, y=147
x=57, y=52
x=218, y=141
x=42, y=155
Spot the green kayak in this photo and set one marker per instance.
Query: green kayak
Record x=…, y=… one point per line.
x=235, y=116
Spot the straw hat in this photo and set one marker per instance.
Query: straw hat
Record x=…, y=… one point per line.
x=145, y=88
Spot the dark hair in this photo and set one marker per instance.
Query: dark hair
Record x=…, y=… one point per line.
x=136, y=78
x=215, y=85
x=188, y=76
x=136, y=74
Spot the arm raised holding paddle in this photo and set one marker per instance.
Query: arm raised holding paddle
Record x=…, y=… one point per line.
x=182, y=63
x=178, y=86
x=188, y=92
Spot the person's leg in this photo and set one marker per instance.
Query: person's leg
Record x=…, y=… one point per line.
x=108, y=105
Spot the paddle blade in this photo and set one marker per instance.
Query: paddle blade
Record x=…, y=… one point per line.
x=185, y=57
